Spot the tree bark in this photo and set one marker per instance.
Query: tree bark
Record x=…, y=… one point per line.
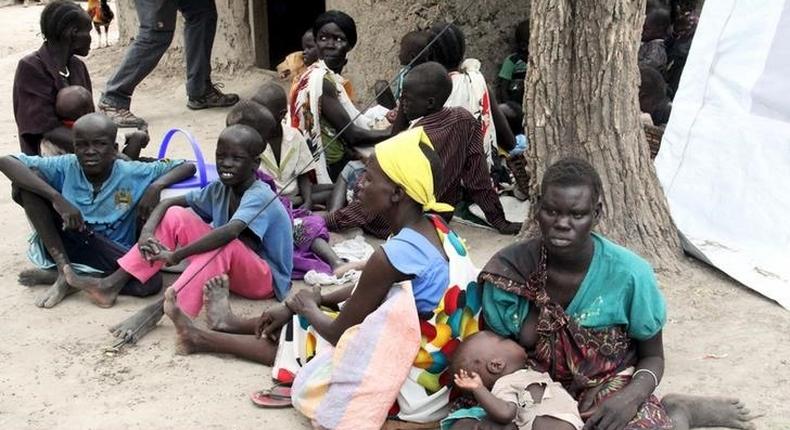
x=582, y=100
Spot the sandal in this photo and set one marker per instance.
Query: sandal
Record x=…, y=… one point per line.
x=276, y=397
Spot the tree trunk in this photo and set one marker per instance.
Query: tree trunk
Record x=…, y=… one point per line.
x=582, y=100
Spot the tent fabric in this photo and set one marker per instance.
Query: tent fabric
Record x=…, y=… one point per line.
x=724, y=160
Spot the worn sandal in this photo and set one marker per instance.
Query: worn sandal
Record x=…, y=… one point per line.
x=276, y=397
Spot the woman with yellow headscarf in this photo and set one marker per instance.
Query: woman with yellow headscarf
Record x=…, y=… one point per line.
x=416, y=299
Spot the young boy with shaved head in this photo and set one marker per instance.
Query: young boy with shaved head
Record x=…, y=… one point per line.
x=84, y=206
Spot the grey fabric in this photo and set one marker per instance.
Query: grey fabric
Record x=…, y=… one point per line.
x=157, y=24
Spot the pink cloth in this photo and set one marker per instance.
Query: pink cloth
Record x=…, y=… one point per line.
x=250, y=276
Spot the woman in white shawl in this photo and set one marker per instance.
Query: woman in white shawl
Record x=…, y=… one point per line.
x=320, y=105
x=470, y=90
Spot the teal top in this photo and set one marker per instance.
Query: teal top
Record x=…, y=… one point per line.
x=620, y=288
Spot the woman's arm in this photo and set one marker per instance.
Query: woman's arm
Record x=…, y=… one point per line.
x=334, y=112
x=623, y=406
x=374, y=284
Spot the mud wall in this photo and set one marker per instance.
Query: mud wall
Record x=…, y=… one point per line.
x=232, y=46
x=488, y=25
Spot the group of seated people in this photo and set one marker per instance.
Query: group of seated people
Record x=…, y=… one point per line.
x=666, y=39
x=560, y=331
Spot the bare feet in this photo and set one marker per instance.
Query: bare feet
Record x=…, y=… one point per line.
x=98, y=293
x=185, y=329
x=55, y=294
x=138, y=325
x=33, y=277
x=697, y=411
x=215, y=299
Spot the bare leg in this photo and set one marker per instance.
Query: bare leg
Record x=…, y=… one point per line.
x=33, y=277
x=44, y=221
x=192, y=340
x=102, y=291
x=325, y=252
x=338, y=198
x=138, y=325
x=689, y=412
x=218, y=312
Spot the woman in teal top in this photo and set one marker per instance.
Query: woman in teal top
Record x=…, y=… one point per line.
x=590, y=314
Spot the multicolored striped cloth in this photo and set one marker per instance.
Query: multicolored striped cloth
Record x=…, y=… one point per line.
x=393, y=363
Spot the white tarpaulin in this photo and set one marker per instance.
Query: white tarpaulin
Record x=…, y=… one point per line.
x=725, y=157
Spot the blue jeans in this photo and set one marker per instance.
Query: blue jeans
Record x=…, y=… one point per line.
x=157, y=25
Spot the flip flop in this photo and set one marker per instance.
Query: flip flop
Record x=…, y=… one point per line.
x=276, y=397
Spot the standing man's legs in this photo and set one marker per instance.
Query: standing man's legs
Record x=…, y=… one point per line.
x=200, y=28
x=157, y=24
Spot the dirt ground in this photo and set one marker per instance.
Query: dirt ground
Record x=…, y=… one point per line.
x=721, y=339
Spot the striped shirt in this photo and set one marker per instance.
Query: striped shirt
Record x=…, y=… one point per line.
x=458, y=141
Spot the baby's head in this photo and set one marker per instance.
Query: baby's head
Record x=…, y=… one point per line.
x=73, y=102
x=489, y=355
x=251, y=114
x=411, y=45
x=272, y=96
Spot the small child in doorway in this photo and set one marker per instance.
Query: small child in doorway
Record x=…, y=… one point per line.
x=295, y=63
x=494, y=370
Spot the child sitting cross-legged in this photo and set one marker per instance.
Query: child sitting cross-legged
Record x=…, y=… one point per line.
x=494, y=370
x=235, y=227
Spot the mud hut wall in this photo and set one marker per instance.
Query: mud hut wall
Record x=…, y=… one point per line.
x=488, y=25
x=233, y=48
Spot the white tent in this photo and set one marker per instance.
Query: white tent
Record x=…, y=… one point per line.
x=724, y=161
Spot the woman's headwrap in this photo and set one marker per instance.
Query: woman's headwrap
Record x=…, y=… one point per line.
x=403, y=161
x=343, y=20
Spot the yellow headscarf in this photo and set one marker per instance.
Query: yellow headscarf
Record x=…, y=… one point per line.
x=402, y=160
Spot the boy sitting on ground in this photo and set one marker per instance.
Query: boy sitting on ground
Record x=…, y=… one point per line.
x=311, y=237
x=287, y=157
x=494, y=370
x=74, y=102
x=82, y=206
x=249, y=237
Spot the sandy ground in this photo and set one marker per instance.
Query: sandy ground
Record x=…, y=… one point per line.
x=721, y=339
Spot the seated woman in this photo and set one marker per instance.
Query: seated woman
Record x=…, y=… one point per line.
x=249, y=236
x=470, y=90
x=321, y=106
x=590, y=314
x=39, y=76
x=402, y=292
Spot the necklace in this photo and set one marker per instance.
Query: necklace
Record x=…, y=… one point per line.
x=64, y=74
